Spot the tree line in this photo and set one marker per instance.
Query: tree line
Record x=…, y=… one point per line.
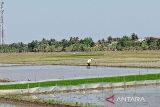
x=131, y=42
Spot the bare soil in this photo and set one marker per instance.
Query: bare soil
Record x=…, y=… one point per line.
x=30, y=104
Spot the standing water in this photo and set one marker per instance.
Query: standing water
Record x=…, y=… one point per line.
x=148, y=96
x=49, y=72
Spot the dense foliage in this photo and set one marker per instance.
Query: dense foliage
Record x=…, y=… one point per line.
x=87, y=44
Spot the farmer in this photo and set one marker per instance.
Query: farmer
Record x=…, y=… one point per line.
x=89, y=61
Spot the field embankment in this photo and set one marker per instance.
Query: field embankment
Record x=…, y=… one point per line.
x=82, y=81
x=20, y=100
x=6, y=80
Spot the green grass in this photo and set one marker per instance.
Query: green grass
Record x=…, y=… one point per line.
x=105, y=58
x=83, y=81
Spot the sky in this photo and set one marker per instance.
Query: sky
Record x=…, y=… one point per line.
x=27, y=20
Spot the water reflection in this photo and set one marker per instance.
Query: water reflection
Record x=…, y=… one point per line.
x=36, y=73
x=151, y=94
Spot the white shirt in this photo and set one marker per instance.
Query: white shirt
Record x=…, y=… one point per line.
x=89, y=61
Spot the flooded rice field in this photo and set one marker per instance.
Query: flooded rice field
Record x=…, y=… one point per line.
x=49, y=72
x=144, y=96
x=11, y=105
x=148, y=96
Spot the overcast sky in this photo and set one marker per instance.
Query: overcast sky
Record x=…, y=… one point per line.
x=27, y=20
